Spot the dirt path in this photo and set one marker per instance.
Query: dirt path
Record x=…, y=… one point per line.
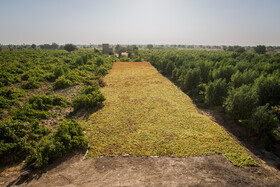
x=213, y=170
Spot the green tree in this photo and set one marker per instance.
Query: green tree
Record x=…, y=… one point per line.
x=241, y=102
x=263, y=122
x=216, y=92
x=150, y=46
x=247, y=77
x=260, y=49
x=169, y=68
x=70, y=47
x=33, y=46
x=268, y=89
x=191, y=80
x=224, y=72
x=119, y=49
x=239, y=49
x=55, y=46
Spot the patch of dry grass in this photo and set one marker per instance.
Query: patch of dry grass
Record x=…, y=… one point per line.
x=145, y=114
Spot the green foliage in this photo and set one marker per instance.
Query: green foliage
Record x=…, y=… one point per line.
x=22, y=130
x=9, y=96
x=33, y=83
x=263, y=122
x=99, y=61
x=216, y=92
x=253, y=79
x=6, y=78
x=268, y=89
x=150, y=46
x=247, y=77
x=260, y=49
x=124, y=58
x=62, y=83
x=90, y=98
x=28, y=113
x=191, y=80
x=241, y=102
x=70, y=47
x=46, y=102
x=101, y=70
x=68, y=136
x=224, y=72
x=17, y=137
x=79, y=61
x=60, y=70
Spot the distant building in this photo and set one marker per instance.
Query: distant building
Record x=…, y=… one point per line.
x=125, y=54
x=107, y=49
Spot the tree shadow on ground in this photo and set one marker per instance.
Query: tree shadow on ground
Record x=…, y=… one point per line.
x=29, y=174
x=83, y=114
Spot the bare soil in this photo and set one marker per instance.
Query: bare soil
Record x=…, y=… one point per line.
x=214, y=170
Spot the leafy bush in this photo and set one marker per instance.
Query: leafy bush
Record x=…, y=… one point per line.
x=216, y=92
x=89, y=89
x=31, y=84
x=87, y=101
x=68, y=136
x=74, y=76
x=79, y=61
x=28, y=113
x=101, y=70
x=62, y=83
x=46, y=102
x=263, y=122
x=6, y=79
x=241, y=102
x=17, y=136
x=60, y=70
x=9, y=96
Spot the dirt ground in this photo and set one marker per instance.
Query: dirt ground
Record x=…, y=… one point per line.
x=214, y=170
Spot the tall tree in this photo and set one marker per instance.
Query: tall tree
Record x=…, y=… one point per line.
x=70, y=47
x=150, y=46
x=260, y=49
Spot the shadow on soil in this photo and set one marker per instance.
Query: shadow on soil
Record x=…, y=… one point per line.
x=27, y=175
x=83, y=114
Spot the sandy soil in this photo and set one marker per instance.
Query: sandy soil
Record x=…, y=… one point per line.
x=214, y=170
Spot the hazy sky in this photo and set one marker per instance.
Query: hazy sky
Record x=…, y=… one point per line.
x=206, y=22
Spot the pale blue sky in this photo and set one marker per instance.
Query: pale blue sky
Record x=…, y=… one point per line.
x=200, y=22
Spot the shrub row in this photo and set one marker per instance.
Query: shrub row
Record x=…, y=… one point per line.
x=243, y=84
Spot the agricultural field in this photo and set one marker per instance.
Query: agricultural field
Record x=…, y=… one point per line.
x=147, y=115
x=244, y=85
x=40, y=93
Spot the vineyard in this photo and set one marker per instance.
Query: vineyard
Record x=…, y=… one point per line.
x=55, y=102
x=41, y=90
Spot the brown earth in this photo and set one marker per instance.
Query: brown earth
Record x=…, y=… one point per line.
x=214, y=170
